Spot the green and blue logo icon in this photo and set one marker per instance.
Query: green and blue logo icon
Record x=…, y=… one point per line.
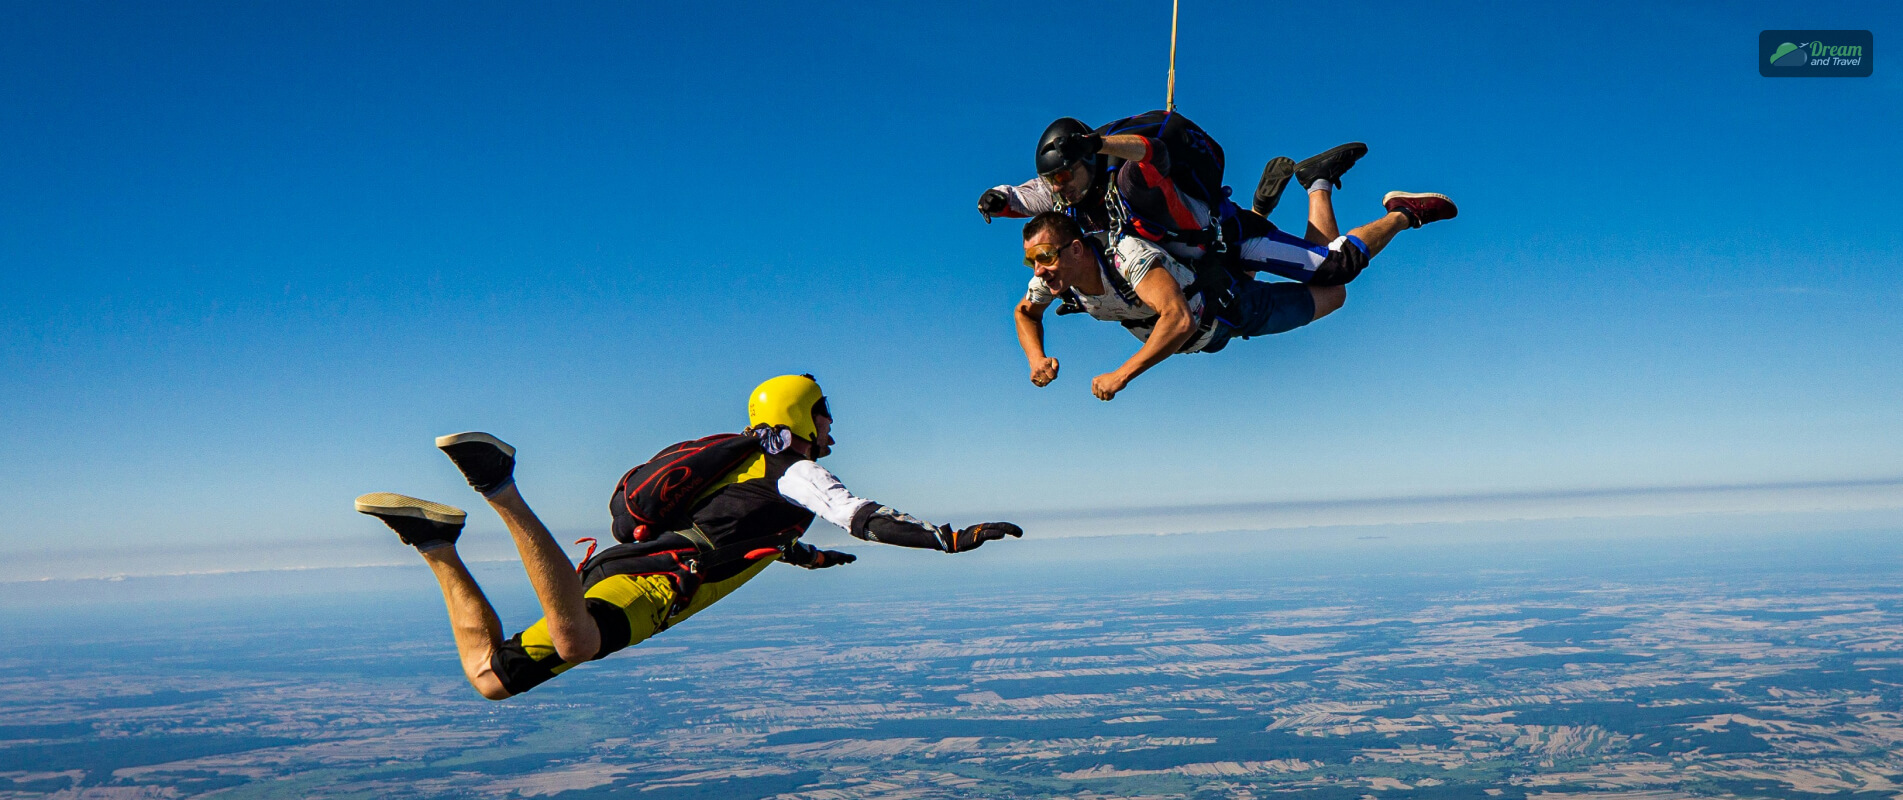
x=1815, y=54
x=1791, y=55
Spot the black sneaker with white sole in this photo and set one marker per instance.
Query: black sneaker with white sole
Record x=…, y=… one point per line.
x=1329, y=165
x=419, y=523
x=487, y=462
x=1268, y=191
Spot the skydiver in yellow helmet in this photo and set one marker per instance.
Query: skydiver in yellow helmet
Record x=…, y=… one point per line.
x=738, y=519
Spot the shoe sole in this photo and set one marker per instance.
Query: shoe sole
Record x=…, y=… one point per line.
x=1392, y=196
x=390, y=504
x=1280, y=177
x=1323, y=157
x=475, y=436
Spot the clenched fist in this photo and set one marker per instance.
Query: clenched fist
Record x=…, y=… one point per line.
x=1043, y=371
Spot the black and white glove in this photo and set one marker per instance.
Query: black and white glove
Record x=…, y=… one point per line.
x=1079, y=146
x=975, y=536
x=805, y=555
x=992, y=203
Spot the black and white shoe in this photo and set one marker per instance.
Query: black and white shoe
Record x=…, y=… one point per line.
x=419, y=523
x=487, y=462
x=1268, y=191
x=1329, y=165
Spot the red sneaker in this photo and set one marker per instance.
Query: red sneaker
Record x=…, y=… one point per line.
x=1420, y=207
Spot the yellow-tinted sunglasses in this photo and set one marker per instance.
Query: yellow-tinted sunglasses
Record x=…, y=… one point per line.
x=1043, y=255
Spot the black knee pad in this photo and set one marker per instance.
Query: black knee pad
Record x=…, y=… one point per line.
x=518, y=670
x=612, y=621
x=521, y=672
x=1342, y=265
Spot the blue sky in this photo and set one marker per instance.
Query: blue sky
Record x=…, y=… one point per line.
x=256, y=256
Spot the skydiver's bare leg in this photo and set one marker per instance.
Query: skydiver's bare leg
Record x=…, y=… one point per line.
x=556, y=585
x=471, y=619
x=1378, y=233
x=1322, y=228
x=1408, y=209
x=1328, y=299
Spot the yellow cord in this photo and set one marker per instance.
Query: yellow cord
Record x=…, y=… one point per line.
x=1169, y=102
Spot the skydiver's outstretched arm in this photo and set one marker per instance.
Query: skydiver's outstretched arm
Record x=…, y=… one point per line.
x=877, y=523
x=1174, y=326
x=1028, y=199
x=1034, y=197
x=818, y=490
x=1030, y=322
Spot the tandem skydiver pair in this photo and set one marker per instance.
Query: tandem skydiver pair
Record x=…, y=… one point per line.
x=694, y=523
x=1130, y=222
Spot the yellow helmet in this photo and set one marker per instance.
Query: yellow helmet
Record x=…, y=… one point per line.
x=789, y=400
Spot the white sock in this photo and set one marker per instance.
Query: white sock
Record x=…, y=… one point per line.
x=1320, y=185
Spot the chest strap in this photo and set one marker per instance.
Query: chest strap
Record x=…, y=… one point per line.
x=707, y=556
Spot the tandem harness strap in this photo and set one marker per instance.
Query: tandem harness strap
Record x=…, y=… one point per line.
x=1213, y=282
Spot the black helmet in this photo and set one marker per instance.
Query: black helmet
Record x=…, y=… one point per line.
x=1049, y=159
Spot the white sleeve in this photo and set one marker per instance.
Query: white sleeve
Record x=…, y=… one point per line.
x=819, y=491
x=1029, y=199
x=1134, y=258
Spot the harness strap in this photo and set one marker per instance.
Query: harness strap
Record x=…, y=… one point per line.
x=1099, y=243
x=706, y=555
x=1208, y=324
x=1213, y=282
x=1211, y=277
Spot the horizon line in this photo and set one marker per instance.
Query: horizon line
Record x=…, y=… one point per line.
x=1729, y=499
x=1475, y=497
x=1768, y=497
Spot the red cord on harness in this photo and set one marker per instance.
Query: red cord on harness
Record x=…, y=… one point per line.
x=591, y=551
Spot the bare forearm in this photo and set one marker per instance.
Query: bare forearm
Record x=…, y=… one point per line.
x=1169, y=336
x=1128, y=148
x=1030, y=334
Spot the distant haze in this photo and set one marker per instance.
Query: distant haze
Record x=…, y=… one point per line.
x=1794, y=509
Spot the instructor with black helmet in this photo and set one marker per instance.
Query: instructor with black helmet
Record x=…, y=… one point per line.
x=1067, y=180
x=691, y=535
